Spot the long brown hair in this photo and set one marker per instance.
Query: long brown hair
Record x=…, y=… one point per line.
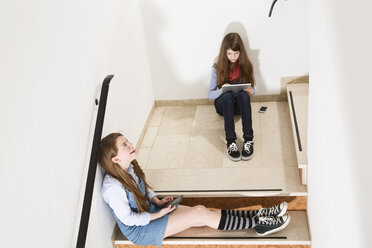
x=108, y=150
x=234, y=42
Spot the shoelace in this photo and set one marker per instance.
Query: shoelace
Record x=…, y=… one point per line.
x=269, y=211
x=269, y=220
x=248, y=145
x=232, y=147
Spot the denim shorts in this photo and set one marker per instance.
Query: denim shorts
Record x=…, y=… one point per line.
x=150, y=234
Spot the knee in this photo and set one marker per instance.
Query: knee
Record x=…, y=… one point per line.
x=200, y=208
x=243, y=96
x=227, y=97
x=201, y=211
x=228, y=100
x=200, y=215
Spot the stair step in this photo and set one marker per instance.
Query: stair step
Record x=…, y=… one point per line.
x=295, y=234
x=228, y=182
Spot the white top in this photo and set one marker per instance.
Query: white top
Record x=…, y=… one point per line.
x=113, y=193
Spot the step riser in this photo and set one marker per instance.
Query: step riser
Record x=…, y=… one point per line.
x=247, y=203
x=216, y=246
x=303, y=174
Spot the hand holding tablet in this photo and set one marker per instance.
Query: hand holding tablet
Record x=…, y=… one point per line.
x=235, y=87
x=175, y=201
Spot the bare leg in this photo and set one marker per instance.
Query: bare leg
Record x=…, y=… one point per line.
x=185, y=217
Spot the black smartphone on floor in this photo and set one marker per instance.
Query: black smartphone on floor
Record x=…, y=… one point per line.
x=262, y=109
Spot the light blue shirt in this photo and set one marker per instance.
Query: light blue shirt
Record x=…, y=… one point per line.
x=214, y=93
x=113, y=193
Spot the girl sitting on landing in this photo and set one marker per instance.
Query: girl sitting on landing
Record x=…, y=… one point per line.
x=143, y=218
x=234, y=67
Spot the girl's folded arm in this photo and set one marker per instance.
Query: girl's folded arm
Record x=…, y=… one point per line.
x=213, y=91
x=151, y=194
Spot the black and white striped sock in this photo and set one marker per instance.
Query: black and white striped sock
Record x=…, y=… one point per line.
x=236, y=222
x=246, y=214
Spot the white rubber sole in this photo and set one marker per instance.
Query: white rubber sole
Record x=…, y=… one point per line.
x=284, y=210
x=247, y=158
x=234, y=159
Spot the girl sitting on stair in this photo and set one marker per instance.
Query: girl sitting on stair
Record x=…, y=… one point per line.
x=143, y=218
x=234, y=67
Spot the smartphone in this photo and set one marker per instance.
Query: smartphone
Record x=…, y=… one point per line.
x=175, y=201
x=262, y=109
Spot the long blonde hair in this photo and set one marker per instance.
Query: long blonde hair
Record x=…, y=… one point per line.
x=108, y=150
x=234, y=42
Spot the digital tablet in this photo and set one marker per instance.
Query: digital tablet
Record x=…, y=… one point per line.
x=235, y=87
x=175, y=201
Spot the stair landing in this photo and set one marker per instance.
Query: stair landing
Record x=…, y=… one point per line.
x=184, y=152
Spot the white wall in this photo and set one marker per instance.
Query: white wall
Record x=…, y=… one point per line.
x=130, y=100
x=340, y=124
x=54, y=56
x=183, y=39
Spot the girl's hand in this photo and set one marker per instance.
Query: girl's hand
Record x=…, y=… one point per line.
x=249, y=91
x=164, y=201
x=162, y=212
x=226, y=84
x=166, y=210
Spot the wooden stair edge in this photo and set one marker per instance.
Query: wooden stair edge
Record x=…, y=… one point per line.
x=213, y=246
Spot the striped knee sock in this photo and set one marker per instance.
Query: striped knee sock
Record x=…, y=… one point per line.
x=246, y=214
x=240, y=221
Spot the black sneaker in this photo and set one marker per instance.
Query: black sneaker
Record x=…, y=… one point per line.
x=268, y=224
x=233, y=151
x=247, y=151
x=276, y=211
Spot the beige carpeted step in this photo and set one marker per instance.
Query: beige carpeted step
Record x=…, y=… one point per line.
x=296, y=234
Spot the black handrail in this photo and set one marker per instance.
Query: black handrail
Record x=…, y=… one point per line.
x=272, y=7
x=295, y=122
x=84, y=221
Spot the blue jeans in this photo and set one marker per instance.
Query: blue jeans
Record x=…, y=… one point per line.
x=229, y=104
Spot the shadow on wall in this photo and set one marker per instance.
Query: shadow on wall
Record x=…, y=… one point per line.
x=165, y=79
x=237, y=27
